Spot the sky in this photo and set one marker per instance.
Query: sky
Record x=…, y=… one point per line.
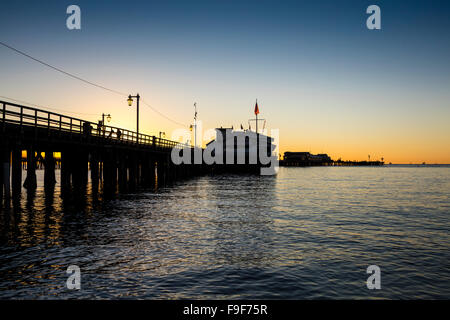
x=325, y=81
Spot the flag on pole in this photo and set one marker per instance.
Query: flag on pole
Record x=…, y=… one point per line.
x=256, y=108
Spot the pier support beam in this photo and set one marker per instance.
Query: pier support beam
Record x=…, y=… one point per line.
x=6, y=172
x=109, y=174
x=152, y=173
x=122, y=173
x=30, y=181
x=84, y=167
x=79, y=171
x=148, y=176
x=94, y=166
x=171, y=176
x=159, y=174
x=66, y=164
x=49, y=167
x=133, y=168
x=162, y=173
x=16, y=171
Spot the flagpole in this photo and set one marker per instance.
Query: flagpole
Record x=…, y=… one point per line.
x=257, y=137
x=256, y=118
x=195, y=125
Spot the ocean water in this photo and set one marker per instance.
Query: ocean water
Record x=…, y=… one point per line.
x=307, y=233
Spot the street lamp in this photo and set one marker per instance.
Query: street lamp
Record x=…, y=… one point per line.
x=108, y=118
x=101, y=127
x=162, y=133
x=130, y=103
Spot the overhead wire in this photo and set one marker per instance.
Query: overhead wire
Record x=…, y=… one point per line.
x=49, y=108
x=83, y=80
x=60, y=70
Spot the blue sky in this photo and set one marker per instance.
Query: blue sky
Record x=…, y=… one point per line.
x=326, y=81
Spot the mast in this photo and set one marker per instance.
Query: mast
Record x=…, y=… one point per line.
x=195, y=125
x=256, y=116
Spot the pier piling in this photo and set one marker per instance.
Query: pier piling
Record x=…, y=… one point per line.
x=123, y=162
x=30, y=180
x=16, y=171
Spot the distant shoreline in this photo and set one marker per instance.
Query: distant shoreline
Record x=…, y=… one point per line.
x=419, y=165
x=436, y=165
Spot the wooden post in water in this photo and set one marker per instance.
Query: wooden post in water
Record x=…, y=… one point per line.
x=133, y=168
x=49, y=167
x=123, y=172
x=94, y=166
x=180, y=172
x=66, y=170
x=180, y=169
x=170, y=172
x=114, y=172
x=158, y=173
x=5, y=160
x=1, y=188
x=165, y=173
x=30, y=181
x=139, y=170
x=109, y=173
x=151, y=172
x=16, y=171
x=76, y=171
x=84, y=166
x=144, y=165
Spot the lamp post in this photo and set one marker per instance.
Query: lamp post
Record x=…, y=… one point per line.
x=130, y=103
x=162, y=133
x=108, y=118
x=101, y=127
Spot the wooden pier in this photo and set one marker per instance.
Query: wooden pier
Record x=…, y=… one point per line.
x=116, y=162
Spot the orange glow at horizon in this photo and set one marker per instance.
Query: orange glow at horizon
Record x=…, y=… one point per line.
x=314, y=126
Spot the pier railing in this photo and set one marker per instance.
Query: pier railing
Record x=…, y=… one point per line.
x=24, y=116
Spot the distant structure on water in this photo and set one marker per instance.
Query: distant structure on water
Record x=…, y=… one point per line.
x=306, y=159
x=300, y=159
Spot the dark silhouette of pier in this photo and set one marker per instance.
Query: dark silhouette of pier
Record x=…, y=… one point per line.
x=117, y=159
x=306, y=159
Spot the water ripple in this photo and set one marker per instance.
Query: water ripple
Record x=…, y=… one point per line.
x=307, y=233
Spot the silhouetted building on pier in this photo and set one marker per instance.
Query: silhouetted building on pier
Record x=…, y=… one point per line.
x=306, y=159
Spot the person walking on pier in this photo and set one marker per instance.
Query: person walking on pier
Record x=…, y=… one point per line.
x=99, y=127
x=87, y=129
x=119, y=133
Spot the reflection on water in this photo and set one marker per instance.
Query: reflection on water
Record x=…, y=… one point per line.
x=306, y=233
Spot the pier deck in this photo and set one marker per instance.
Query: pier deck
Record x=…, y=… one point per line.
x=119, y=159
